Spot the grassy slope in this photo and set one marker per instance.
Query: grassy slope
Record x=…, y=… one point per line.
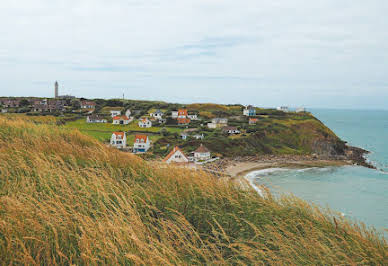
x=65, y=198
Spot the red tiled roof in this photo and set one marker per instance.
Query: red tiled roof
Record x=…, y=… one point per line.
x=182, y=112
x=122, y=134
x=183, y=120
x=173, y=152
x=120, y=117
x=141, y=137
x=202, y=149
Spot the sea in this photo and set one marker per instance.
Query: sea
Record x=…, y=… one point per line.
x=358, y=193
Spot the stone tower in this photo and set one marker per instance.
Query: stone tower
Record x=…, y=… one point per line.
x=56, y=89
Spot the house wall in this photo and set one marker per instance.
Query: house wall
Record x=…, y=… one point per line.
x=177, y=157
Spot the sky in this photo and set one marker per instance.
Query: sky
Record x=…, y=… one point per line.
x=321, y=53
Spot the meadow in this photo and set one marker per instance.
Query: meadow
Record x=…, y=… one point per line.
x=65, y=198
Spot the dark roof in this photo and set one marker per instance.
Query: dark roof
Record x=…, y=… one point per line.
x=202, y=149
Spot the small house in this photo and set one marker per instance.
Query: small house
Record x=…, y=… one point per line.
x=230, y=130
x=202, y=154
x=184, y=135
x=145, y=123
x=88, y=105
x=174, y=114
x=95, y=119
x=301, y=110
x=176, y=156
x=114, y=113
x=121, y=120
x=249, y=111
x=118, y=140
x=142, y=143
x=199, y=136
x=182, y=113
x=183, y=121
x=193, y=117
x=282, y=108
x=253, y=121
x=158, y=114
x=128, y=113
x=218, y=123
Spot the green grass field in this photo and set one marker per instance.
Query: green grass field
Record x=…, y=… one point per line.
x=103, y=131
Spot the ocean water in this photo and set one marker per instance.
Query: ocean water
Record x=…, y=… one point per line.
x=358, y=192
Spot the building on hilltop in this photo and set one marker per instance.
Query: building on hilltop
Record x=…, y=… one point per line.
x=249, y=111
x=95, y=119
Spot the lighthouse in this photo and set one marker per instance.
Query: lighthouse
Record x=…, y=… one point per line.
x=56, y=89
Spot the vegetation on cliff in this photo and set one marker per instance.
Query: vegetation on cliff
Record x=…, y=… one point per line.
x=65, y=198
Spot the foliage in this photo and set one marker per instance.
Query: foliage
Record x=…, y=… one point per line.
x=67, y=199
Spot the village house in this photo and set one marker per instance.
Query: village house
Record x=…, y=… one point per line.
x=183, y=121
x=301, y=110
x=141, y=144
x=184, y=135
x=218, y=123
x=118, y=140
x=10, y=103
x=282, y=108
x=176, y=156
x=128, y=113
x=202, y=154
x=198, y=136
x=249, y=111
x=48, y=106
x=182, y=113
x=158, y=114
x=4, y=110
x=230, y=130
x=121, y=120
x=114, y=113
x=253, y=121
x=174, y=114
x=88, y=105
x=145, y=123
x=193, y=117
x=95, y=119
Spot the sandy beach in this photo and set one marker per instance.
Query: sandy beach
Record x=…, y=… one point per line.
x=241, y=168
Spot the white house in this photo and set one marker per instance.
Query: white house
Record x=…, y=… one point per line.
x=184, y=135
x=202, y=154
x=282, y=108
x=174, y=114
x=141, y=144
x=95, y=119
x=4, y=111
x=157, y=114
x=114, y=113
x=121, y=120
x=198, y=136
x=249, y=111
x=118, y=140
x=88, y=105
x=176, y=156
x=301, y=110
x=145, y=123
x=193, y=116
x=128, y=113
x=230, y=130
x=218, y=123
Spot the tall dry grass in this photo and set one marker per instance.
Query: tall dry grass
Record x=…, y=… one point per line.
x=67, y=199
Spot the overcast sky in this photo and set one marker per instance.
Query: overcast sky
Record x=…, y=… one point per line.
x=321, y=53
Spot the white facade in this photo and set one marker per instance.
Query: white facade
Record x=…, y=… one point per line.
x=157, y=114
x=141, y=144
x=176, y=156
x=201, y=156
x=218, y=123
x=114, y=113
x=118, y=140
x=282, y=108
x=301, y=110
x=145, y=123
x=174, y=114
x=121, y=120
x=95, y=119
x=193, y=117
x=128, y=113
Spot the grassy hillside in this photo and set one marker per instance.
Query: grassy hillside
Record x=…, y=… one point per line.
x=65, y=198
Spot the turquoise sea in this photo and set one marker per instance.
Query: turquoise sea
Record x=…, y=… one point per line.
x=358, y=193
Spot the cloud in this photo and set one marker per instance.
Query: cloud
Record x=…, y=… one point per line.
x=268, y=52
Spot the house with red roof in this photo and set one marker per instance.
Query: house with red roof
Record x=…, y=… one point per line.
x=253, y=121
x=176, y=156
x=145, y=123
x=118, y=140
x=88, y=105
x=141, y=144
x=183, y=121
x=121, y=120
x=182, y=113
